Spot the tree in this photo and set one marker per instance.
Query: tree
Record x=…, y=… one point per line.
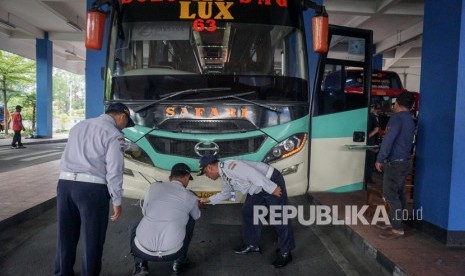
x=30, y=101
x=14, y=71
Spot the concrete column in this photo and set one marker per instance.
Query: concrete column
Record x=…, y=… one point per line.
x=440, y=161
x=44, y=65
x=95, y=61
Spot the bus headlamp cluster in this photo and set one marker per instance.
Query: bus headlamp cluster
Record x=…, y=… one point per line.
x=133, y=151
x=286, y=148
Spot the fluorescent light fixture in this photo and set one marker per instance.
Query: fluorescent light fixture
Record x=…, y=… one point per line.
x=74, y=26
x=6, y=24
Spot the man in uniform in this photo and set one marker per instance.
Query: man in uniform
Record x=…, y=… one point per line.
x=263, y=185
x=394, y=158
x=91, y=173
x=165, y=231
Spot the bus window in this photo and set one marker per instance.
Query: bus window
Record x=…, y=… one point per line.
x=333, y=96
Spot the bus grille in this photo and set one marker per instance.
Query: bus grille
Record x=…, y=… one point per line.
x=186, y=148
x=207, y=126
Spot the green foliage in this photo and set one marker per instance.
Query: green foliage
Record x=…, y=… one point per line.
x=18, y=87
x=64, y=119
x=17, y=74
x=68, y=91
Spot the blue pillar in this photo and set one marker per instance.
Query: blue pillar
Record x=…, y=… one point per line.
x=312, y=56
x=95, y=61
x=44, y=65
x=440, y=160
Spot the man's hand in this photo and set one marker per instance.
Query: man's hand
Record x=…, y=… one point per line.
x=203, y=201
x=277, y=192
x=116, y=212
x=379, y=166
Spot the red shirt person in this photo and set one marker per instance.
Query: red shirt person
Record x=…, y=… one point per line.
x=17, y=121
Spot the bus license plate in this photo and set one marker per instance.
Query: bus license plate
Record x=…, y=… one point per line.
x=205, y=193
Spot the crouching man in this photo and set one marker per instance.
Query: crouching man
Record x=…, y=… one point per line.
x=166, y=229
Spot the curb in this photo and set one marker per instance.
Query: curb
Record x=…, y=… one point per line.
x=367, y=249
x=39, y=141
x=371, y=252
x=28, y=214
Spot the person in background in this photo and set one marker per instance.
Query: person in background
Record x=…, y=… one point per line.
x=372, y=140
x=165, y=231
x=263, y=185
x=91, y=173
x=17, y=128
x=394, y=159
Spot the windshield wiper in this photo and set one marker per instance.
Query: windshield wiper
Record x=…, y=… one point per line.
x=238, y=97
x=183, y=92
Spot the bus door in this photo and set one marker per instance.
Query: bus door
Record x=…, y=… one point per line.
x=339, y=119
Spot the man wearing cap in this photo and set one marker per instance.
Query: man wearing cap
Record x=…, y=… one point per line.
x=17, y=127
x=263, y=185
x=91, y=173
x=166, y=229
x=394, y=159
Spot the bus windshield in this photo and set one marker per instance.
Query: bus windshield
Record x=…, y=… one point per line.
x=152, y=58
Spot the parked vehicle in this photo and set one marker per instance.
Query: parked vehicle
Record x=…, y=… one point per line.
x=224, y=81
x=385, y=87
x=2, y=117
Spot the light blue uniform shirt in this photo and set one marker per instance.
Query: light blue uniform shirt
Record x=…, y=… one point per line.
x=166, y=211
x=95, y=147
x=246, y=177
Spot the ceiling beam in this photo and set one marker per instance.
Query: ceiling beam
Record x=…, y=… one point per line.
x=400, y=38
x=383, y=5
x=407, y=9
x=371, y=8
x=21, y=24
x=65, y=15
x=400, y=53
x=67, y=36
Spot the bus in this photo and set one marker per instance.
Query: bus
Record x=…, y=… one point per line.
x=386, y=86
x=232, y=78
x=2, y=117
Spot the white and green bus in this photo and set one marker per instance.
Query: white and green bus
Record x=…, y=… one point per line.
x=231, y=78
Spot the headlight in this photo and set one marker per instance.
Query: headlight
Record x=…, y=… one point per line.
x=133, y=151
x=286, y=148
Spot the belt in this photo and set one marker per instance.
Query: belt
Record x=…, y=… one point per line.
x=269, y=173
x=158, y=253
x=398, y=160
x=82, y=177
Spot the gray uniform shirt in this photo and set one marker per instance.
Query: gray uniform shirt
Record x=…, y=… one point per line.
x=246, y=177
x=166, y=210
x=95, y=147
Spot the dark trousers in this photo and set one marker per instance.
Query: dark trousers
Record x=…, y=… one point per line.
x=251, y=233
x=395, y=176
x=81, y=206
x=180, y=255
x=17, y=139
x=370, y=166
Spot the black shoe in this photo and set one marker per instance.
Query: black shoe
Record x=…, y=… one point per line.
x=247, y=249
x=282, y=259
x=179, y=265
x=140, y=269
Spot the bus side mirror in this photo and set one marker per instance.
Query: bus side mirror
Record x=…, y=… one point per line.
x=320, y=34
x=95, y=30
